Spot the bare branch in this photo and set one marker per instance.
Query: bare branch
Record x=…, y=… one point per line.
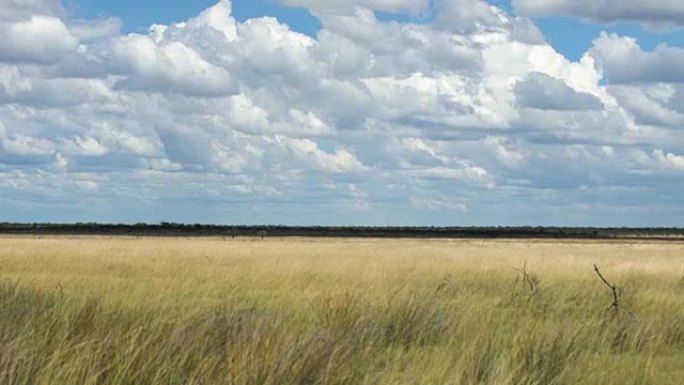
x=603, y=278
x=527, y=279
x=616, y=293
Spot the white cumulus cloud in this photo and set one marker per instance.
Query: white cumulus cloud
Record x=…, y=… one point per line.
x=214, y=119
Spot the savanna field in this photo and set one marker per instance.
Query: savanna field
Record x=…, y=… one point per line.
x=343, y=311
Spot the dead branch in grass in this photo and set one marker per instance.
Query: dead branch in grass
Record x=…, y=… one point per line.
x=528, y=280
x=446, y=285
x=616, y=293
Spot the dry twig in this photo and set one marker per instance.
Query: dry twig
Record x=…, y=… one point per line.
x=446, y=285
x=616, y=293
x=527, y=279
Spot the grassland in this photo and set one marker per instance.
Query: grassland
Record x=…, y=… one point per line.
x=302, y=311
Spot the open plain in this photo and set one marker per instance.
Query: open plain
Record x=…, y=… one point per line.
x=126, y=310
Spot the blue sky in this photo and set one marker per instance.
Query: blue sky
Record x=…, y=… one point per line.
x=355, y=112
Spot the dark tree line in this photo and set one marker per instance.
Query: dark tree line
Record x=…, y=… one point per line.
x=178, y=229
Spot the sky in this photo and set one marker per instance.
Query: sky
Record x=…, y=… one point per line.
x=343, y=112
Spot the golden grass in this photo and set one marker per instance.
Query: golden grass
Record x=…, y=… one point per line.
x=315, y=311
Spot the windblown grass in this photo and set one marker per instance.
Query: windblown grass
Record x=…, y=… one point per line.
x=212, y=311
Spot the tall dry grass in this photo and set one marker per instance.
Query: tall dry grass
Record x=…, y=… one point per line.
x=213, y=311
